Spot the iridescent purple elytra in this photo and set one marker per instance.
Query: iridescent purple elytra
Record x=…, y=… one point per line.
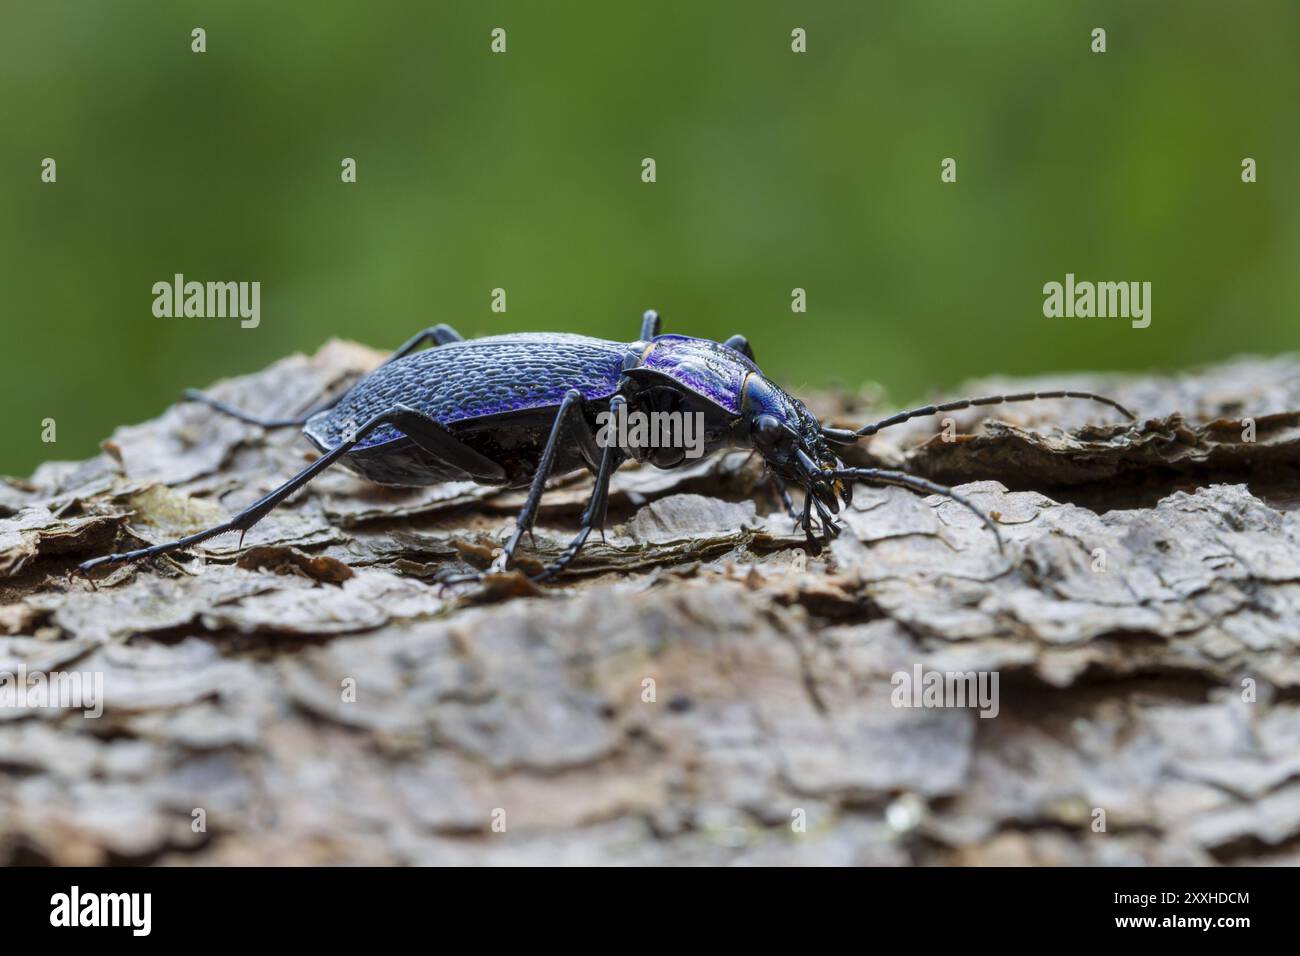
x=499, y=394
x=507, y=374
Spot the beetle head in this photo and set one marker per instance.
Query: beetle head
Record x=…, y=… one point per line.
x=789, y=437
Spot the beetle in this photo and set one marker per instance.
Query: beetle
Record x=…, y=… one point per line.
x=515, y=410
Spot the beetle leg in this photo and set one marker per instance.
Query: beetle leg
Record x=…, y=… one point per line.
x=650, y=325
x=430, y=435
x=783, y=495
x=740, y=344
x=194, y=395
x=570, y=407
x=264, y=505
x=610, y=459
x=805, y=521
x=439, y=335
x=594, y=515
x=588, y=447
x=829, y=528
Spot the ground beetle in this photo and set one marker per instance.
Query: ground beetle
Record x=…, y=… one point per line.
x=515, y=410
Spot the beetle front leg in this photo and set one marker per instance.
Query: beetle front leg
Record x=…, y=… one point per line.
x=805, y=521
x=783, y=495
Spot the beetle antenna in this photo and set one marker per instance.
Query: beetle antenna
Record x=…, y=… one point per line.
x=841, y=435
x=903, y=480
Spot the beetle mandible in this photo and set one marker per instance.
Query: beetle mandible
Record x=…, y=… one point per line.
x=516, y=410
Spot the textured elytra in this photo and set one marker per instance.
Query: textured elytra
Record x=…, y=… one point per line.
x=461, y=381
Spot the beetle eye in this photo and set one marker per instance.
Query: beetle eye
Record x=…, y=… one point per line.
x=767, y=429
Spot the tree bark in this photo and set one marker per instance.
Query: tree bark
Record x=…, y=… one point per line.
x=697, y=690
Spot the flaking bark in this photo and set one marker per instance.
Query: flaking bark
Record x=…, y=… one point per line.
x=1150, y=570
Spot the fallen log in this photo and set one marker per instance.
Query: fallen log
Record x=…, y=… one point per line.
x=698, y=689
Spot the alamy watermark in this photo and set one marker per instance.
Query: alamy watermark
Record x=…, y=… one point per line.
x=1102, y=300
x=637, y=429
x=74, y=908
x=212, y=300
x=56, y=690
x=922, y=688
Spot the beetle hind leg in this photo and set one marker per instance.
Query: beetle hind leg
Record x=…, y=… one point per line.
x=419, y=427
x=259, y=509
x=194, y=395
x=434, y=438
x=738, y=343
x=439, y=335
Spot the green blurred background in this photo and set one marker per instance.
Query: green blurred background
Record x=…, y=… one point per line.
x=522, y=171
